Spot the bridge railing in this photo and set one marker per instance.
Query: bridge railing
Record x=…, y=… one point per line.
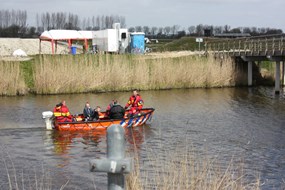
x=255, y=46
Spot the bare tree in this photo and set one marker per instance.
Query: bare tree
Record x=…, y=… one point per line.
x=107, y=22
x=123, y=22
x=167, y=30
x=227, y=28
x=160, y=30
x=53, y=20
x=43, y=21
x=132, y=29
x=93, y=22
x=98, y=24
x=138, y=29
x=246, y=30
x=88, y=23
x=1, y=19
x=9, y=18
x=37, y=21
x=146, y=29
x=153, y=30
x=200, y=29
x=102, y=22
x=23, y=18
x=60, y=20
x=191, y=29
x=174, y=29
x=83, y=24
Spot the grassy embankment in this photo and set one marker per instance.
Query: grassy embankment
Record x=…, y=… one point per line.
x=101, y=73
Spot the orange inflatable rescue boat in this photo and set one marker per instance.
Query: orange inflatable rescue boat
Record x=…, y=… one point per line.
x=103, y=123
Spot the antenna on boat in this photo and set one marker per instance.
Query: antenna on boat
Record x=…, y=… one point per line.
x=47, y=116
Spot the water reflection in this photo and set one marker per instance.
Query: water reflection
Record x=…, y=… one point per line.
x=61, y=143
x=63, y=140
x=136, y=137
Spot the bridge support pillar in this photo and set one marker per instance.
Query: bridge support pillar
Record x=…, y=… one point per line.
x=277, y=78
x=249, y=73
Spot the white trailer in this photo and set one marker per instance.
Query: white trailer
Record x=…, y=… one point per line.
x=111, y=40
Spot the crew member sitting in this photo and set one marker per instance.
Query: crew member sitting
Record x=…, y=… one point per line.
x=135, y=103
x=115, y=110
x=61, y=112
x=88, y=112
x=97, y=113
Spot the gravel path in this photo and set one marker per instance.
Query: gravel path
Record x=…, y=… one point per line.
x=30, y=46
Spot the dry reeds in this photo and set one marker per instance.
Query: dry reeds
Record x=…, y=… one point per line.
x=11, y=79
x=23, y=179
x=89, y=73
x=172, y=171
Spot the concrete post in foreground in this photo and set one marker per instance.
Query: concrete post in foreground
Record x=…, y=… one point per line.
x=277, y=78
x=249, y=73
x=116, y=165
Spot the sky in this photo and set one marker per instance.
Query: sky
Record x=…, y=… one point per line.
x=161, y=13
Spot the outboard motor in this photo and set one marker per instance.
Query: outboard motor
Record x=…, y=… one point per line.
x=47, y=116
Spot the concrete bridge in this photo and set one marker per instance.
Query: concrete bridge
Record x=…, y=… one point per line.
x=254, y=49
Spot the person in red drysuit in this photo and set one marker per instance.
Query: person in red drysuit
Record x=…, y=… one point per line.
x=135, y=103
x=61, y=112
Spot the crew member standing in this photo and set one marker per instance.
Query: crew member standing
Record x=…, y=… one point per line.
x=135, y=103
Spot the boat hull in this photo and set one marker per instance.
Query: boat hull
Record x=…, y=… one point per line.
x=102, y=124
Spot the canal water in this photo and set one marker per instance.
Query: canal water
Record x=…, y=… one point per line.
x=246, y=124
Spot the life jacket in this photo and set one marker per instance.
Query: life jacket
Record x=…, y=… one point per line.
x=135, y=102
x=62, y=114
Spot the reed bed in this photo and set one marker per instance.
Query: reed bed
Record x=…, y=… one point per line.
x=11, y=79
x=172, y=171
x=101, y=73
x=25, y=178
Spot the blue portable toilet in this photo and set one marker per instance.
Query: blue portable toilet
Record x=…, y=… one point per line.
x=73, y=50
x=137, y=43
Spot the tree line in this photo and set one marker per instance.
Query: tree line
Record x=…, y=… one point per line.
x=61, y=20
x=13, y=23
x=199, y=30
